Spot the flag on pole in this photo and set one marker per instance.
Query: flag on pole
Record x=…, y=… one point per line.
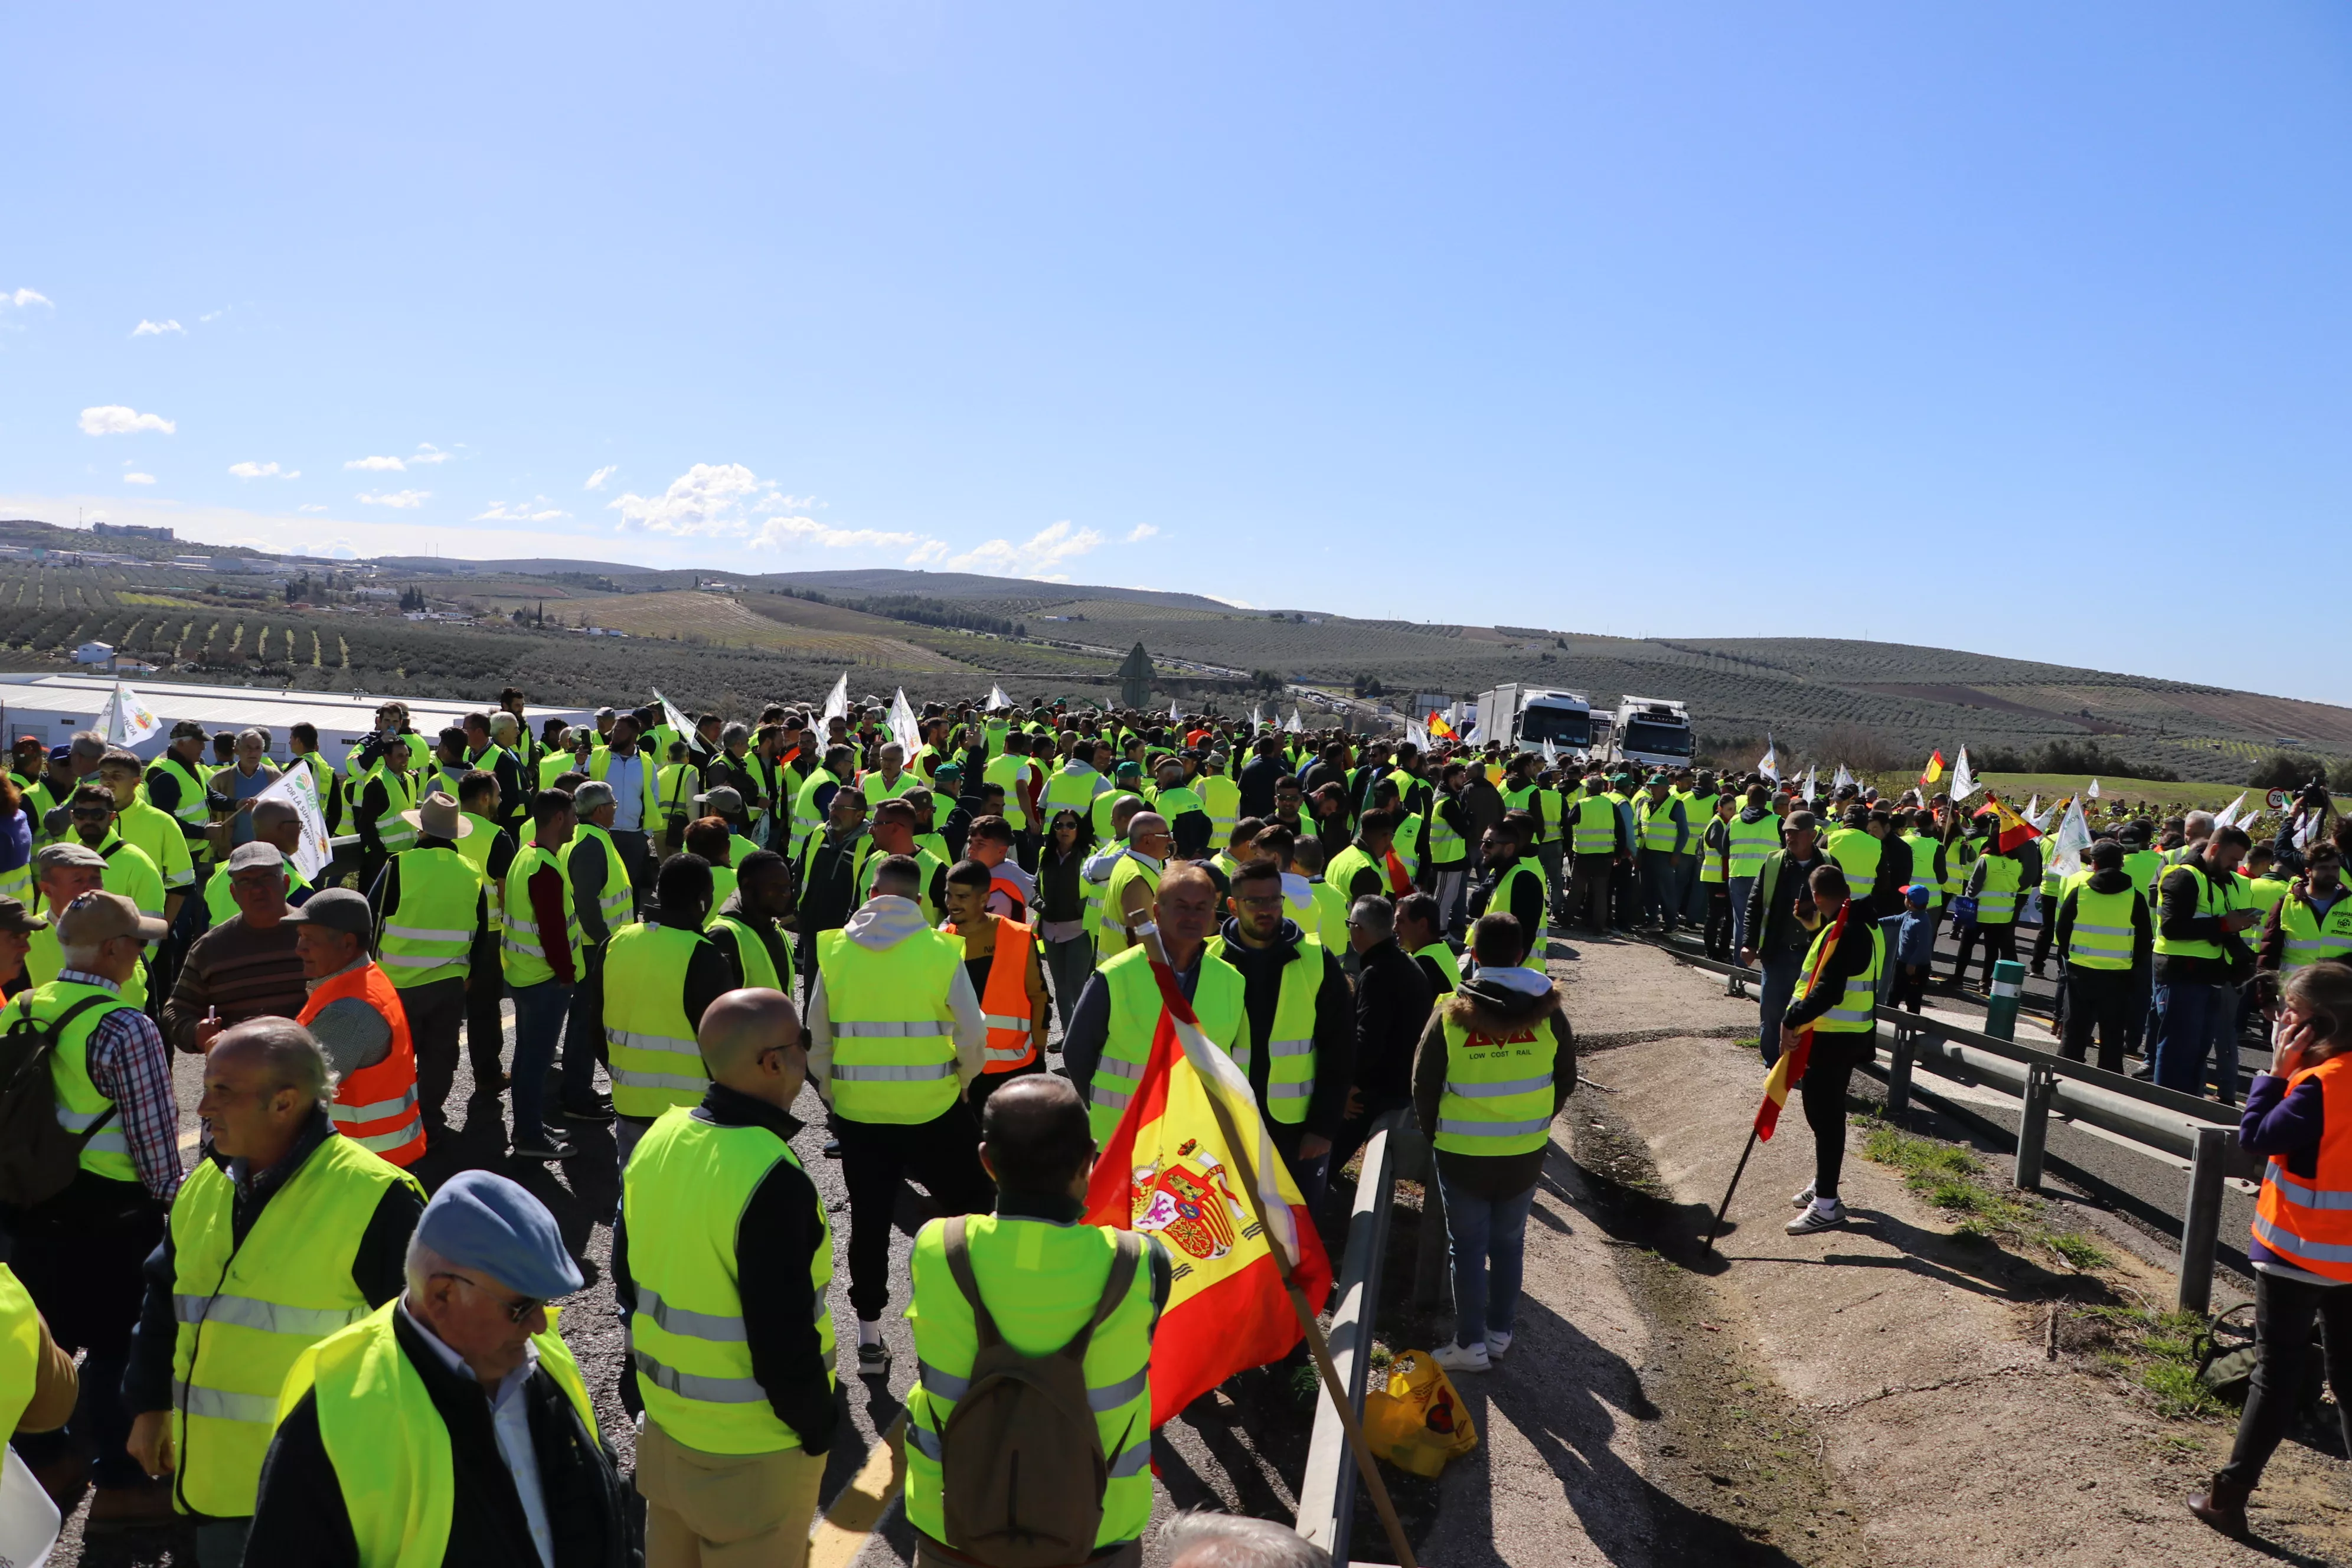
x=2033, y=807
x=1843, y=780
x=1174, y=712
x=1769, y=766
x=1291, y=726
x=1174, y=1167
x=2228, y=816
x=1439, y=727
x=1964, y=783
x=2073, y=838
x=295, y=788
x=1257, y=716
x=1812, y=776
x=2092, y=792
x=997, y=702
x=1790, y=1071
x=1415, y=736
x=903, y=728
x=125, y=720
x=836, y=701
x=1550, y=754
x=679, y=724
x=2010, y=830
x=1933, y=770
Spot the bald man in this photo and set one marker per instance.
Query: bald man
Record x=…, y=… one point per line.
x=722, y=1261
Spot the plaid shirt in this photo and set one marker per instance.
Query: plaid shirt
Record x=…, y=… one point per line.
x=129, y=1065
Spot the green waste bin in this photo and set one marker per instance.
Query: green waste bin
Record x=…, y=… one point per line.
x=2008, y=986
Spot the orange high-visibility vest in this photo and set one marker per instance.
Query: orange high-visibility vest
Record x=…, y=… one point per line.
x=1005, y=1003
x=1012, y=891
x=376, y=1105
x=2309, y=1223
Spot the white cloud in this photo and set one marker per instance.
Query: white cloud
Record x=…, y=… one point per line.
x=538, y=509
x=777, y=532
x=930, y=550
x=331, y=549
x=378, y=465
x=596, y=480
x=138, y=478
x=215, y=315
x=1034, y=557
x=113, y=419
x=1141, y=531
x=402, y=498
x=263, y=472
x=147, y=329
x=427, y=452
x=309, y=506
x=728, y=500
x=24, y=299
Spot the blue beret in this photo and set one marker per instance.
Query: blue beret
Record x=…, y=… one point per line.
x=485, y=1224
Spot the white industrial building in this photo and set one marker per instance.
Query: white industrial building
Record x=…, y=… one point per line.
x=53, y=707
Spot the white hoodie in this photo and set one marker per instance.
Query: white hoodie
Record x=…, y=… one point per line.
x=882, y=922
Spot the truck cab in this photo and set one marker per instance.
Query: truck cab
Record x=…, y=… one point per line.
x=1652, y=732
x=1529, y=716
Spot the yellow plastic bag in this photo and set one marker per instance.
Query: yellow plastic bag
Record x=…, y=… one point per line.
x=1418, y=1423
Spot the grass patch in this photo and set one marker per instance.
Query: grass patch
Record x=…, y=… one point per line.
x=1955, y=1180
x=2155, y=1351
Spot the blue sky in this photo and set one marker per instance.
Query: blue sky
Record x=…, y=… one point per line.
x=2016, y=328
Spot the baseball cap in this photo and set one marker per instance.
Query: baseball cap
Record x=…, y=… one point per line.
x=94, y=917
x=1917, y=893
x=725, y=798
x=337, y=908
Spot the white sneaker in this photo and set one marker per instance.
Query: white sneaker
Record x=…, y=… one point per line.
x=1816, y=1218
x=1803, y=1200
x=1498, y=1343
x=1459, y=1358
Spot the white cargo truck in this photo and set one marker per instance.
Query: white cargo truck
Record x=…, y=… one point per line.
x=1528, y=716
x=1651, y=732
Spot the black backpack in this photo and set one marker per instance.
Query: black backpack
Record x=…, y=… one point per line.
x=38, y=1157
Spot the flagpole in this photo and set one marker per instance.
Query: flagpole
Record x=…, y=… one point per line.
x=1319, y=1348
x=1755, y=1128
x=1741, y=1170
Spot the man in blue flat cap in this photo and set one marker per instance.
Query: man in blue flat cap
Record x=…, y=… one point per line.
x=450, y=1425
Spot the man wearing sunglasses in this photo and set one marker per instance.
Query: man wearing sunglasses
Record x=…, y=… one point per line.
x=458, y=1407
x=129, y=870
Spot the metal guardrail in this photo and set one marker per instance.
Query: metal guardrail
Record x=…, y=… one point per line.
x=2185, y=1125
x=1327, y=1492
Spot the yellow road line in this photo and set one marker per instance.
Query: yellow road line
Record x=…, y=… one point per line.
x=846, y=1526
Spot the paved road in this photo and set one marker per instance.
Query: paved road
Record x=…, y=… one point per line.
x=1240, y=1456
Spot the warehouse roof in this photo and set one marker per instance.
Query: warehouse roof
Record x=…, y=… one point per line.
x=240, y=707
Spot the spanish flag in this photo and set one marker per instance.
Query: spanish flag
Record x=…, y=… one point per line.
x=1180, y=1167
x=2011, y=829
x=1933, y=770
x=1438, y=727
x=1790, y=1071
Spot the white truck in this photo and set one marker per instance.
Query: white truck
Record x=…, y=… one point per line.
x=1651, y=732
x=1528, y=716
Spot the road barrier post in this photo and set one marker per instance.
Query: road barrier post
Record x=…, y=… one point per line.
x=2033, y=1126
x=2001, y=1012
x=2201, y=1223
x=1898, y=1071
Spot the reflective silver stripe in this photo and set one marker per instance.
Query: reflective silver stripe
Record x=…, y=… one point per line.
x=2321, y=944
x=1853, y=1015
x=269, y=1317
x=1290, y=1047
x=630, y=1040
x=78, y=1120
x=1134, y=1461
x=1010, y=1053
x=2004, y=988
x=2307, y=1197
x=942, y=1385
x=220, y=1404
x=423, y=960
x=1003, y=1021
x=1110, y=1099
x=926, y=1442
x=1498, y=1090
x=689, y=1325
x=919, y=1072
x=1122, y=1067
x=1113, y=1396
x=1288, y=1090
x=2298, y=1246
x=110, y=1141
x=1492, y=1128
x=376, y=1113
x=629, y=1079
x=918, y=1030
x=383, y=1143
x=2081, y=927
x=526, y=927
x=692, y=1385
x=421, y=933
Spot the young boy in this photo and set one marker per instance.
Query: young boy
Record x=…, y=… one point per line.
x=1915, y=949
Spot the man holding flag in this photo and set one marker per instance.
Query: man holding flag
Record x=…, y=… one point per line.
x=1829, y=1031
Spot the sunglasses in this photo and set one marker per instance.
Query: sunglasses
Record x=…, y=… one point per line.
x=516, y=1311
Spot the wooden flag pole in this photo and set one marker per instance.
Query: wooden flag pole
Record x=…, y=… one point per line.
x=1367, y=1468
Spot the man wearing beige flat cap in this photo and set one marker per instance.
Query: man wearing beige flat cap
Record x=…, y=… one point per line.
x=430, y=910
x=17, y=925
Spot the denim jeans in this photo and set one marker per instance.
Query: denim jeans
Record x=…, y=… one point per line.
x=2192, y=1019
x=584, y=1032
x=1741, y=887
x=540, y=1013
x=1068, y=964
x=1779, y=986
x=1484, y=1236
x=1660, y=886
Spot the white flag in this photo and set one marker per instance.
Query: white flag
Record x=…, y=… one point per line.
x=1844, y=778
x=1291, y=726
x=903, y=728
x=836, y=701
x=2073, y=837
x=1550, y=754
x=2092, y=793
x=294, y=787
x=1812, y=774
x=1770, y=764
x=2228, y=816
x=1964, y=783
x=1415, y=736
x=1257, y=716
x=2033, y=807
x=675, y=720
x=1174, y=712
x=125, y=720
x=997, y=700
x=1476, y=735
x=2309, y=831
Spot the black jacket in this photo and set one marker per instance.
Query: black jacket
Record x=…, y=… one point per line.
x=1335, y=1027
x=1257, y=778
x=776, y=1238
x=724, y=939
x=1484, y=1007
x=2177, y=919
x=1527, y=897
x=1393, y=997
x=302, y=1518
x=378, y=1268
x=1773, y=926
x=828, y=882
x=1849, y=958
